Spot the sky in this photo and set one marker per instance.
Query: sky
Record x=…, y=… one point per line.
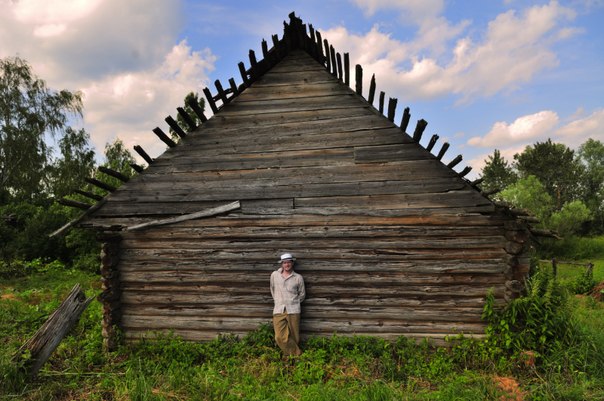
x=486, y=75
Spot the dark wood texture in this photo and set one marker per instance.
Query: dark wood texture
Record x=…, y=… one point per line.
x=390, y=240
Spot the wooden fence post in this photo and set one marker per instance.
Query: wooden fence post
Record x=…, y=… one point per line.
x=554, y=267
x=50, y=335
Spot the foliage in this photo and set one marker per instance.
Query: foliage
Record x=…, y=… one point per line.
x=497, y=174
x=591, y=155
x=29, y=111
x=530, y=194
x=569, y=219
x=555, y=166
x=190, y=97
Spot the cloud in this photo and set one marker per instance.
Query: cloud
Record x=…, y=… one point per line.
x=524, y=129
x=415, y=9
x=499, y=60
x=120, y=54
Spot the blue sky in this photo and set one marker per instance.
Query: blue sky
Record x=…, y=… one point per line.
x=485, y=75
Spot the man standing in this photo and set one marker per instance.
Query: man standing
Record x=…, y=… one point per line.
x=287, y=288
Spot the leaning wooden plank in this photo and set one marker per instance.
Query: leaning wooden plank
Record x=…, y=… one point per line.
x=50, y=335
x=203, y=213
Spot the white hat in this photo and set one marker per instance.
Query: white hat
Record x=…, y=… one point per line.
x=287, y=256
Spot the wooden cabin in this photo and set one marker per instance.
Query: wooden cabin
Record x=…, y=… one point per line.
x=390, y=238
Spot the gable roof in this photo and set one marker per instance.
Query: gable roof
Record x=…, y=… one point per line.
x=271, y=134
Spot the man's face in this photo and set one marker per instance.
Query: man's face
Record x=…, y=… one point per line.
x=287, y=265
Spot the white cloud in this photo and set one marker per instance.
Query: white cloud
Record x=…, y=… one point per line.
x=524, y=129
x=578, y=131
x=415, y=9
x=120, y=54
x=499, y=61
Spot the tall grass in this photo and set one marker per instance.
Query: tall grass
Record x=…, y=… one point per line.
x=568, y=363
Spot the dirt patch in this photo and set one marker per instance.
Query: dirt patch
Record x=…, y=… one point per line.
x=10, y=296
x=510, y=387
x=598, y=292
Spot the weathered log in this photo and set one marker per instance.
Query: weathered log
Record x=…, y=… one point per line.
x=221, y=92
x=210, y=100
x=381, y=102
x=391, y=108
x=164, y=138
x=112, y=173
x=371, y=96
x=346, y=69
x=100, y=184
x=243, y=73
x=419, y=130
x=143, y=154
x=203, y=213
x=432, y=142
x=405, y=119
x=455, y=161
x=185, y=116
x=359, y=79
x=197, y=110
x=89, y=195
x=73, y=203
x=465, y=171
x=443, y=150
x=49, y=336
x=175, y=127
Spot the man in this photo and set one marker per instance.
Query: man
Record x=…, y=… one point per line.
x=287, y=288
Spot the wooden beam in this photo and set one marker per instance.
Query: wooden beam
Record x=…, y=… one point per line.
x=73, y=203
x=233, y=87
x=371, y=96
x=340, y=67
x=465, y=171
x=477, y=181
x=137, y=168
x=264, y=46
x=419, y=130
x=221, y=92
x=185, y=116
x=203, y=213
x=210, y=100
x=455, y=161
x=113, y=173
x=359, y=80
x=405, y=119
x=175, y=127
x=100, y=184
x=197, y=110
x=346, y=69
x=320, y=47
x=391, y=108
x=143, y=154
x=327, y=55
x=381, y=102
x=443, y=150
x=243, y=73
x=164, y=138
x=432, y=142
x=89, y=195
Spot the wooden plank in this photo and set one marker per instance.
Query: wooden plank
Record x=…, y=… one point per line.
x=203, y=213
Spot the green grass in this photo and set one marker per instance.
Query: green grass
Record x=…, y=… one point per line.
x=251, y=368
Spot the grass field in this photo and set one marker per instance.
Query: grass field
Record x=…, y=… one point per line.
x=251, y=368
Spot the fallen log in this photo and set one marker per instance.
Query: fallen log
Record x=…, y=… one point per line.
x=49, y=336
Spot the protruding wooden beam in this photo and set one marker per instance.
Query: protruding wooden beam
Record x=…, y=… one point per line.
x=381, y=102
x=432, y=142
x=221, y=92
x=276, y=45
x=264, y=46
x=175, y=127
x=443, y=150
x=465, y=171
x=391, y=108
x=405, y=119
x=233, y=87
x=243, y=73
x=143, y=154
x=113, y=173
x=164, y=138
x=340, y=67
x=490, y=192
x=101, y=184
x=210, y=100
x=327, y=55
x=346, y=69
x=73, y=203
x=371, y=95
x=197, y=110
x=419, y=130
x=137, y=168
x=252, y=57
x=89, y=195
x=359, y=79
x=185, y=116
x=334, y=66
x=320, y=47
x=477, y=182
x=455, y=161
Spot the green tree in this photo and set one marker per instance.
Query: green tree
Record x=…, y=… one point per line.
x=569, y=219
x=591, y=154
x=119, y=159
x=555, y=165
x=497, y=173
x=75, y=164
x=191, y=97
x=530, y=194
x=29, y=111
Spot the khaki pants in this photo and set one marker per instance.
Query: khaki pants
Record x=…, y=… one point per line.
x=287, y=332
